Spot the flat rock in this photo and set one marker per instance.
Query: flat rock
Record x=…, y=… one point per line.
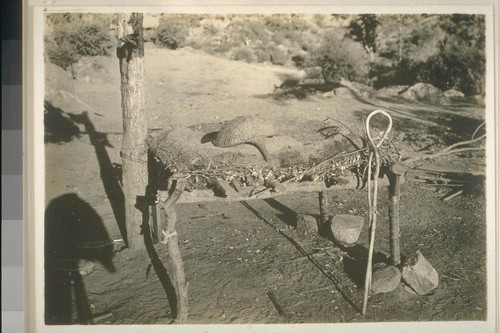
x=307, y=224
x=346, y=228
x=385, y=278
x=419, y=274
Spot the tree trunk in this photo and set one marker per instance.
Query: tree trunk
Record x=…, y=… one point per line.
x=130, y=52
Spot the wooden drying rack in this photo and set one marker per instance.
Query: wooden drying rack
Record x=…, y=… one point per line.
x=163, y=212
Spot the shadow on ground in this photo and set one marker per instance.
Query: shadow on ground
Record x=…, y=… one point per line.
x=161, y=271
x=59, y=125
x=70, y=225
x=111, y=173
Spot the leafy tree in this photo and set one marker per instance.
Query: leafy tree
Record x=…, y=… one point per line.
x=462, y=56
x=363, y=29
x=340, y=57
x=447, y=51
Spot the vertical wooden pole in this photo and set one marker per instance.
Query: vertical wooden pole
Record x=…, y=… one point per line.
x=323, y=207
x=394, y=218
x=130, y=52
x=167, y=207
x=394, y=175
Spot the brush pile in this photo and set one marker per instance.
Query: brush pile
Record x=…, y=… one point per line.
x=180, y=154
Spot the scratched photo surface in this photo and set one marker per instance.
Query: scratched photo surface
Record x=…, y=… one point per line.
x=247, y=169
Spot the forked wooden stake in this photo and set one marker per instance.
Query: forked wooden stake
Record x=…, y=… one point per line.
x=167, y=207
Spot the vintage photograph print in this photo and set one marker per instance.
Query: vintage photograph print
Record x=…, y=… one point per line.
x=264, y=168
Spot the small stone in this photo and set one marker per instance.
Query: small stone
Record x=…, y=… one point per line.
x=307, y=224
x=385, y=278
x=419, y=274
x=346, y=228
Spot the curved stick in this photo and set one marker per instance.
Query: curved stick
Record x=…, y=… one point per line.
x=386, y=132
x=372, y=201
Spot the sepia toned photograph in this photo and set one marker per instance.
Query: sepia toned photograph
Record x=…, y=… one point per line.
x=265, y=168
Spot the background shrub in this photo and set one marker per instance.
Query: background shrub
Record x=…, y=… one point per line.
x=298, y=60
x=447, y=51
x=243, y=53
x=172, y=31
x=62, y=54
x=340, y=57
x=70, y=36
x=277, y=56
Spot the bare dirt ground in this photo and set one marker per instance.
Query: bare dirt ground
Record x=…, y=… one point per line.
x=244, y=261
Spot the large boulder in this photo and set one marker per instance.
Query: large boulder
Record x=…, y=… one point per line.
x=425, y=93
x=453, y=93
x=385, y=278
x=346, y=228
x=419, y=274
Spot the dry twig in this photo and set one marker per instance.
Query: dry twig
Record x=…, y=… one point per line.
x=451, y=149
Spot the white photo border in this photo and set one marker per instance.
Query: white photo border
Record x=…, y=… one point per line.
x=33, y=78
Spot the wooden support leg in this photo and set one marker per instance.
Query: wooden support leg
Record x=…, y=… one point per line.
x=167, y=208
x=323, y=207
x=394, y=176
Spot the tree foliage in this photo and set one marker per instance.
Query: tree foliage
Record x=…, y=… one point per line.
x=174, y=29
x=447, y=51
x=363, y=29
x=340, y=57
x=72, y=35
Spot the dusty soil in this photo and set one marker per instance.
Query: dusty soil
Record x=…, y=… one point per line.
x=245, y=262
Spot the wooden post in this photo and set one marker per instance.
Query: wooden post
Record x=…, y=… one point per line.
x=130, y=52
x=394, y=174
x=323, y=207
x=167, y=207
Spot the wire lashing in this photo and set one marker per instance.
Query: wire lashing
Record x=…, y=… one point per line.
x=130, y=158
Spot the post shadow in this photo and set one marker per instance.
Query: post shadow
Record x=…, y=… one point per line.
x=59, y=126
x=110, y=173
x=356, y=260
x=337, y=284
x=150, y=233
x=69, y=223
x=287, y=215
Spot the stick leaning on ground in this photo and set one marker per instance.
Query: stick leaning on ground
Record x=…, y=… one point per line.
x=372, y=200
